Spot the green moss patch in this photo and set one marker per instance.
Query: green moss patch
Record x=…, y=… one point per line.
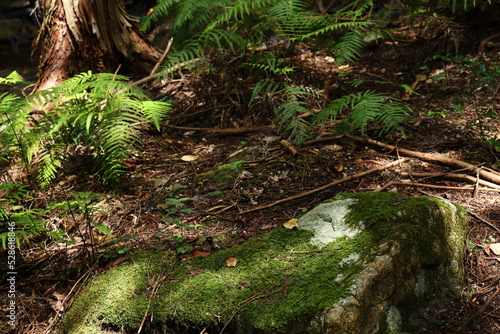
x=281, y=283
x=118, y=297
x=222, y=173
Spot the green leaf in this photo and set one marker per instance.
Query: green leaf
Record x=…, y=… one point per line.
x=104, y=229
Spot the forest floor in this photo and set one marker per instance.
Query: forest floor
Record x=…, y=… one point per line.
x=236, y=202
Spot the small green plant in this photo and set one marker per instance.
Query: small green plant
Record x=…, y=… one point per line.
x=15, y=217
x=494, y=143
x=82, y=207
x=86, y=204
x=173, y=217
x=438, y=113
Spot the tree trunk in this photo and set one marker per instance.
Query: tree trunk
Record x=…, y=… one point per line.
x=82, y=35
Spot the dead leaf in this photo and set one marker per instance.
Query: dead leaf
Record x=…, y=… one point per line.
x=231, y=261
x=197, y=253
x=292, y=223
x=495, y=248
x=59, y=304
x=128, y=163
x=289, y=146
x=189, y=157
x=338, y=167
x=487, y=250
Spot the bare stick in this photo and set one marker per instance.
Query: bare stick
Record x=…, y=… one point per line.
x=167, y=49
x=228, y=131
x=484, y=221
x=425, y=185
x=455, y=176
x=170, y=70
x=433, y=157
x=156, y=286
x=329, y=185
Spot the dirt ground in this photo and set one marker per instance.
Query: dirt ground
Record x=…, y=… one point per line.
x=260, y=170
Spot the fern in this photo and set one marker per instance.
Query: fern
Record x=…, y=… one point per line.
x=199, y=25
x=272, y=65
x=12, y=79
x=14, y=218
x=98, y=114
x=239, y=27
x=364, y=107
x=265, y=88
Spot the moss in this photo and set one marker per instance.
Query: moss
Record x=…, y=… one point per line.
x=271, y=284
x=279, y=277
x=222, y=173
x=118, y=297
x=280, y=283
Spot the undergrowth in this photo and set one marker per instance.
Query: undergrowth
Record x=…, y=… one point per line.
x=258, y=39
x=96, y=117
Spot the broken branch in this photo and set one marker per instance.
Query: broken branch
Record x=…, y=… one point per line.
x=433, y=157
x=329, y=185
x=455, y=176
x=167, y=50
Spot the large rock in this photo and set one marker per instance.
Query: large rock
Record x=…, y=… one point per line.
x=363, y=263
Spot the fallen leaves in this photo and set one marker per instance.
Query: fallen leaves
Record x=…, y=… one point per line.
x=197, y=253
x=292, y=223
x=189, y=157
x=495, y=248
x=231, y=261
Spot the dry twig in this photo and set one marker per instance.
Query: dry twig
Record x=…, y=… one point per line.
x=329, y=185
x=433, y=157
x=455, y=176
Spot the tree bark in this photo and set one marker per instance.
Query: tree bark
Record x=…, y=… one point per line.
x=82, y=35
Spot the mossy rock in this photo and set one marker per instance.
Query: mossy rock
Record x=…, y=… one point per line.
x=403, y=254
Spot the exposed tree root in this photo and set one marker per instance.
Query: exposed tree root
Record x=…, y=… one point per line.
x=482, y=45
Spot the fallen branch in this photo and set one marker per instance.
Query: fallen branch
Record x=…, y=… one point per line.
x=170, y=70
x=228, y=131
x=433, y=157
x=454, y=176
x=483, y=220
x=156, y=287
x=425, y=185
x=167, y=50
x=329, y=185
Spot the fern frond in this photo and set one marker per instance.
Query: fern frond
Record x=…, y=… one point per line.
x=101, y=113
x=223, y=39
x=12, y=79
x=183, y=58
x=47, y=166
x=162, y=8
x=272, y=64
x=297, y=129
x=363, y=108
x=265, y=88
x=348, y=47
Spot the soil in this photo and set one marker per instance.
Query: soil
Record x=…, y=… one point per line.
x=448, y=118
